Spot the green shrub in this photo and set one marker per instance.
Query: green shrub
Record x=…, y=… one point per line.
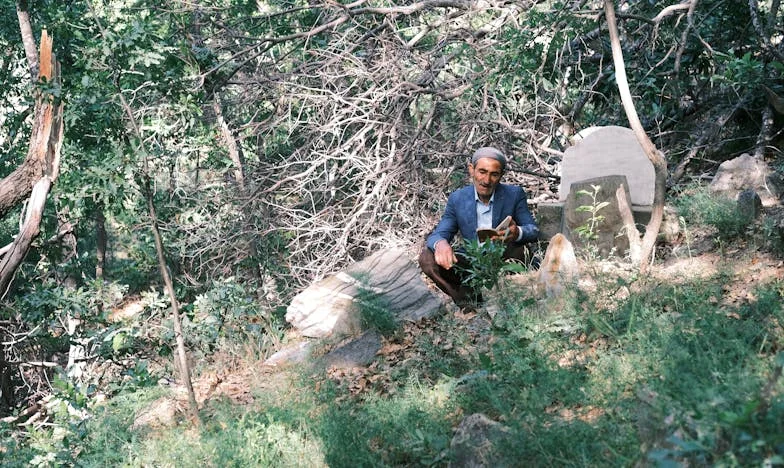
x=374, y=313
x=486, y=263
x=228, y=315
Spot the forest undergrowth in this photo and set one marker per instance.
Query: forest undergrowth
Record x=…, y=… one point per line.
x=679, y=367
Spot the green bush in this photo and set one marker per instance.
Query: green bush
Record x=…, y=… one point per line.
x=228, y=315
x=486, y=263
x=375, y=314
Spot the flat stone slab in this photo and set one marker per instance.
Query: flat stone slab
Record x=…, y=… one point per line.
x=609, y=151
x=387, y=279
x=359, y=352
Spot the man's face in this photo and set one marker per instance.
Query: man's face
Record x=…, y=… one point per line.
x=487, y=174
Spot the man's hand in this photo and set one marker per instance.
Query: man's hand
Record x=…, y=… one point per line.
x=445, y=256
x=510, y=234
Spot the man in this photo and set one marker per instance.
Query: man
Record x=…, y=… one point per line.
x=481, y=205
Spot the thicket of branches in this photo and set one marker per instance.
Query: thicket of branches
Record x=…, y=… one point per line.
x=354, y=121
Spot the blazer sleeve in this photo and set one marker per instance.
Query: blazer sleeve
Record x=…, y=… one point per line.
x=448, y=226
x=524, y=219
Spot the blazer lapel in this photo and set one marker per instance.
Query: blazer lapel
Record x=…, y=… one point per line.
x=470, y=210
x=498, y=205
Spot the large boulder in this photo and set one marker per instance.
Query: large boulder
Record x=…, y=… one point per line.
x=387, y=279
x=748, y=172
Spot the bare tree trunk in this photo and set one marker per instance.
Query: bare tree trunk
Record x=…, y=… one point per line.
x=185, y=369
x=231, y=144
x=66, y=235
x=654, y=155
x=66, y=238
x=44, y=155
x=30, y=229
x=181, y=352
x=100, y=240
x=27, y=37
x=766, y=129
x=17, y=186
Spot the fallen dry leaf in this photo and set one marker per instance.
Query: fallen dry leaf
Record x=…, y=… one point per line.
x=465, y=316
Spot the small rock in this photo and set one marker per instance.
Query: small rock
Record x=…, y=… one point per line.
x=293, y=354
x=475, y=443
x=559, y=269
x=160, y=413
x=749, y=205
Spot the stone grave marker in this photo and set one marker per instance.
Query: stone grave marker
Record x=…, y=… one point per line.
x=604, y=151
x=608, y=230
x=609, y=151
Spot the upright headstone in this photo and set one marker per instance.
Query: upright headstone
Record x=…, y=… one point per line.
x=603, y=229
x=609, y=151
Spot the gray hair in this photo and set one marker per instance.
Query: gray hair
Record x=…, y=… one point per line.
x=489, y=152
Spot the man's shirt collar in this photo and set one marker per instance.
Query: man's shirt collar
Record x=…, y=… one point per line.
x=476, y=197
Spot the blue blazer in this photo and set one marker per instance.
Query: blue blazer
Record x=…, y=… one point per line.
x=460, y=214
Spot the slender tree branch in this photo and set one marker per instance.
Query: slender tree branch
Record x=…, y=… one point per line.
x=654, y=155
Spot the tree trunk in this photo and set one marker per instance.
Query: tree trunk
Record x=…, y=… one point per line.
x=30, y=229
x=39, y=170
x=231, y=144
x=654, y=155
x=27, y=37
x=182, y=358
x=185, y=370
x=766, y=129
x=67, y=240
x=17, y=186
x=100, y=236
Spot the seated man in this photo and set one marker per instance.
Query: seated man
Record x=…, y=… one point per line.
x=481, y=205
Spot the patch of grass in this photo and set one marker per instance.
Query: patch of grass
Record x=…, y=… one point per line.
x=699, y=206
x=108, y=438
x=409, y=429
x=231, y=436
